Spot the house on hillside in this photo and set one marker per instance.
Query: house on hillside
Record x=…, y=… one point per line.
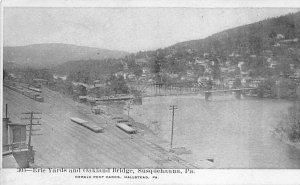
x=241, y=66
x=232, y=68
x=125, y=66
x=228, y=63
x=224, y=69
x=146, y=70
x=272, y=64
x=297, y=73
x=228, y=82
x=280, y=36
x=97, y=82
x=120, y=74
x=199, y=61
x=246, y=81
x=173, y=75
x=141, y=61
x=131, y=77
x=234, y=54
x=256, y=81
x=190, y=73
x=208, y=70
x=292, y=67
x=205, y=55
x=268, y=53
x=245, y=73
x=202, y=80
x=80, y=89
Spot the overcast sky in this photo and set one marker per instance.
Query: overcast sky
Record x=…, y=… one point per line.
x=127, y=29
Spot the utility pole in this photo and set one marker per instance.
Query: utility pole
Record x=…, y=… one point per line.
x=107, y=105
x=31, y=118
x=6, y=111
x=173, y=108
x=128, y=110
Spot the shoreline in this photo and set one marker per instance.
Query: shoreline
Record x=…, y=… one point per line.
x=283, y=138
x=274, y=98
x=147, y=132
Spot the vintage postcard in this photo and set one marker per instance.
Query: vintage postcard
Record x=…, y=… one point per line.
x=140, y=92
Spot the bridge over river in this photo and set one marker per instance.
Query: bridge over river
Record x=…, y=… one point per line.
x=160, y=89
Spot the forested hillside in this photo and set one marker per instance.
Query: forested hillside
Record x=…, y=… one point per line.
x=87, y=71
x=268, y=49
x=49, y=55
x=275, y=38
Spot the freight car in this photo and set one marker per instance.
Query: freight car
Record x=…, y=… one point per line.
x=126, y=128
x=87, y=124
x=35, y=89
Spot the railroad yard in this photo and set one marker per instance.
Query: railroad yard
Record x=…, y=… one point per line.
x=63, y=143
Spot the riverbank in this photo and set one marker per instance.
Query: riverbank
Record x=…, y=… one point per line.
x=273, y=98
x=284, y=138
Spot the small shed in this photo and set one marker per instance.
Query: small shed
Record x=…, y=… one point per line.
x=14, y=134
x=97, y=110
x=17, y=133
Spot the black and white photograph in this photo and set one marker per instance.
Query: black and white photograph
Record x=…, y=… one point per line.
x=160, y=88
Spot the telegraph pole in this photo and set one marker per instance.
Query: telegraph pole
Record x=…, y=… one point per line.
x=6, y=111
x=30, y=158
x=173, y=108
x=31, y=118
x=128, y=110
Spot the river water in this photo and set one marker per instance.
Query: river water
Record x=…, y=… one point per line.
x=235, y=133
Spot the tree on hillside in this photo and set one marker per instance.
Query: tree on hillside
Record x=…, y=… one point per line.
x=158, y=64
x=266, y=88
x=133, y=66
x=216, y=71
x=255, y=44
x=287, y=88
x=272, y=36
x=209, y=84
x=68, y=88
x=117, y=85
x=199, y=70
x=237, y=71
x=237, y=83
x=283, y=68
x=137, y=71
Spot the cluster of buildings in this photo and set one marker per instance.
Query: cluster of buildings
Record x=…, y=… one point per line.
x=235, y=67
x=129, y=75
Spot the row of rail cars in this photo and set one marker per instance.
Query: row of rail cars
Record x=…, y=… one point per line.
x=33, y=94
